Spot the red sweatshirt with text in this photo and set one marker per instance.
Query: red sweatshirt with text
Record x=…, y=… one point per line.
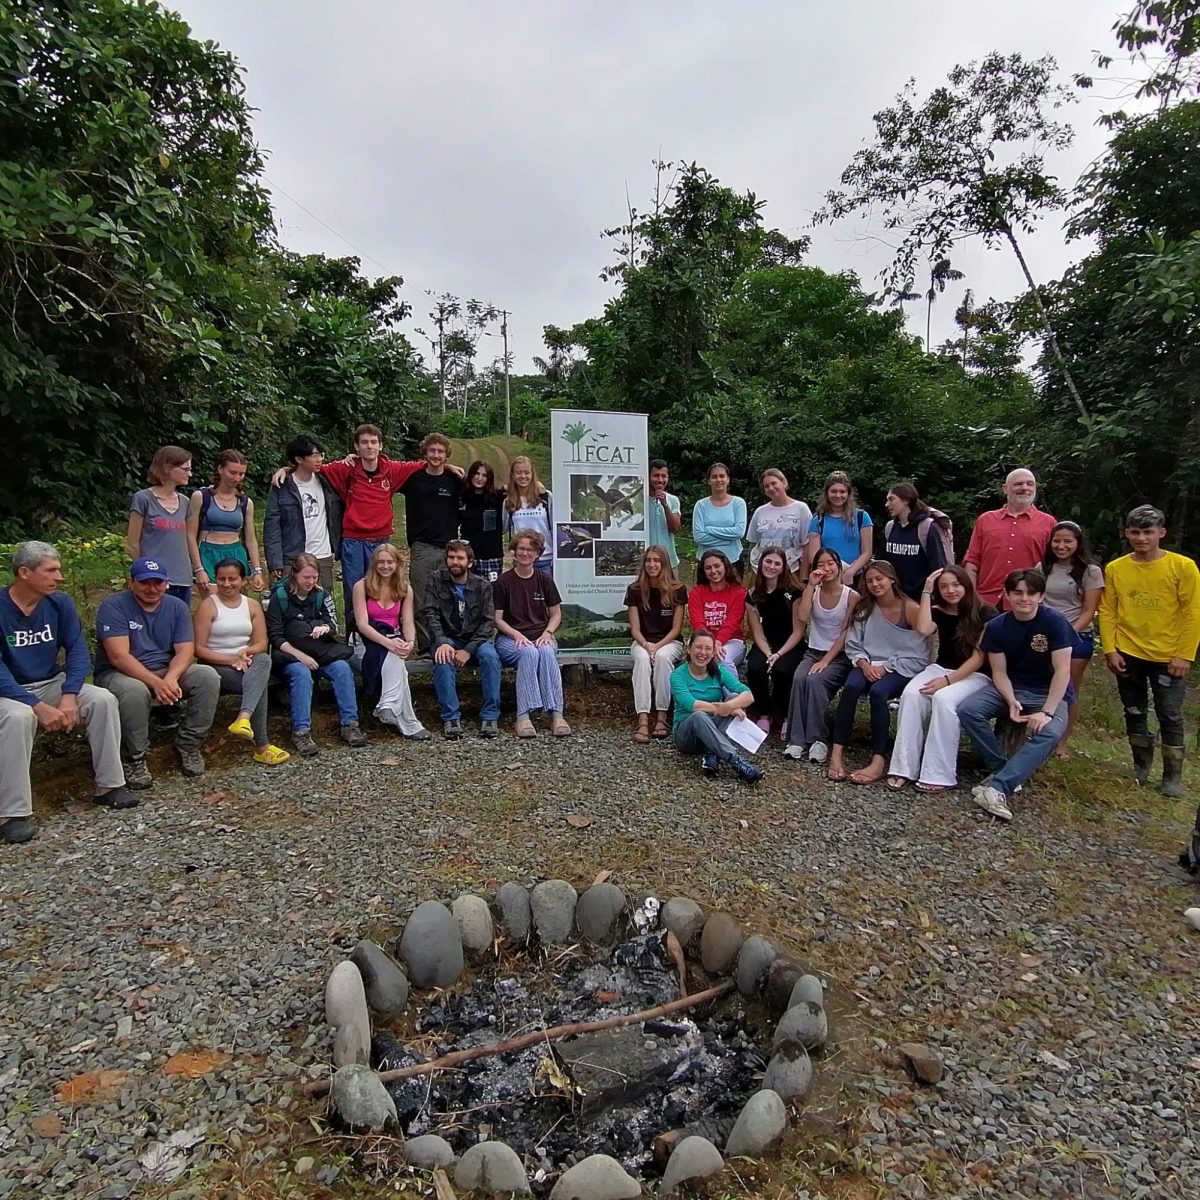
x=368, y=498
x=721, y=613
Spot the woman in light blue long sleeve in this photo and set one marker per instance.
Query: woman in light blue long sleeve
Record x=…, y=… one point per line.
x=719, y=520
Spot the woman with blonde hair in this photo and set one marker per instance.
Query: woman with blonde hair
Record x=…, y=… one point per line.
x=655, y=602
x=528, y=507
x=220, y=525
x=158, y=519
x=781, y=522
x=384, y=617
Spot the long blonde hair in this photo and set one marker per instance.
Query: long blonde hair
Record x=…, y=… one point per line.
x=513, y=498
x=374, y=585
x=668, y=585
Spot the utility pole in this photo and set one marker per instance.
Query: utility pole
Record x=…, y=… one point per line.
x=507, y=393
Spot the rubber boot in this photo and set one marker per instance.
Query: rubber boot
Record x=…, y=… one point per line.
x=1142, y=745
x=1189, y=860
x=1172, y=779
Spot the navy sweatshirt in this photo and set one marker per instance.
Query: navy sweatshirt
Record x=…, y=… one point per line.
x=913, y=561
x=30, y=650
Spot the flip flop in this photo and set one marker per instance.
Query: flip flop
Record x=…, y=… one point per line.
x=898, y=783
x=934, y=787
x=835, y=776
x=858, y=779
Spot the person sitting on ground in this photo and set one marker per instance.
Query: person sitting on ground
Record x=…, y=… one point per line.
x=528, y=506
x=220, y=525
x=777, y=635
x=719, y=605
x=912, y=541
x=480, y=515
x=1074, y=586
x=460, y=617
x=302, y=628
x=37, y=625
x=824, y=610
x=840, y=524
x=1149, y=627
x=385, y=615
x=927, y=726
x=528, y=611
x=719, y=523
x=145, y=655
x=1029, y=648
x=887, y=650
x=709, y=697
x=655, y=602
x=231, y=636
x=304, y=514
x=781, y=522
x=158, y=519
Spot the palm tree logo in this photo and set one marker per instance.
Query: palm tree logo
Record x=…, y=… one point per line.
x=574, y=434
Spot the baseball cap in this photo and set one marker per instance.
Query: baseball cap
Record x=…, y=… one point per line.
x=148, y=568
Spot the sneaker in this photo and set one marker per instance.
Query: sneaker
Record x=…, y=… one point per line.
x=17, y=830
x=271, y=756
x=992, y=801
x=302, y=740
x=452, y=730
x=241, y=728
x=137, y=775
x=745, y=770
x=489, y=729
x=783, y=732
x=794, y=752
x=117, y=797
x=710, y=764
x=385, y=716
x=818, y=752
x=191, y=761
x=422, y=735
x=352, y=735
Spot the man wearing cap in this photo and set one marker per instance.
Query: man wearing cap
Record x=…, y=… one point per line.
x=38, y=625
x=144, y=645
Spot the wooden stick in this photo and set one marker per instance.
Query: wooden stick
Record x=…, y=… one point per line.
x=319, y=1087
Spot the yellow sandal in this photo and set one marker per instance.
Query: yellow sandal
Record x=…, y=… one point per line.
x=271, y=756
x=241, y=728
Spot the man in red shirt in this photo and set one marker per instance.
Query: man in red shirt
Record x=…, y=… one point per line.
x=1012, y=538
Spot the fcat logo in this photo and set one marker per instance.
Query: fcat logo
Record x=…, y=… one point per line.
x=24, y=638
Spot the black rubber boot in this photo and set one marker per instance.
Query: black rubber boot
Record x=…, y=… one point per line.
x=1172, y=780
x=1189, y=860
x=1142, y=745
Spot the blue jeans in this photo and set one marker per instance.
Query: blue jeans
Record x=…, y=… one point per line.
x=445, y=684
x=300, y=687
x=356, y=558
x=878, y=693
x=702, y=733
x=977, y=716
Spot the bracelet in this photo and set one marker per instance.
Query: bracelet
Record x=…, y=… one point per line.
x=198, y=572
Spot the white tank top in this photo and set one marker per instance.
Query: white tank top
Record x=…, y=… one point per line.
x=231, y=629
x=825, y=624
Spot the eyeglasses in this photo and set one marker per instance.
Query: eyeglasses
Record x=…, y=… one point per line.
x=458, y=544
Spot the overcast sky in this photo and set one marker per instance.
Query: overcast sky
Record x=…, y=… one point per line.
x=479, y=148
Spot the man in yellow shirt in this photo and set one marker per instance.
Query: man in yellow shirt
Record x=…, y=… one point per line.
x=1149, y=627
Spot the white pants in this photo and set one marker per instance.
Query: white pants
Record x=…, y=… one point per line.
x=927, y=728
x=654, y=677
x=396, y=696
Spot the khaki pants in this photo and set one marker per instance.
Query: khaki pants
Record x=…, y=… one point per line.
x=424, y=559
x=201, y=687
x=18, y=727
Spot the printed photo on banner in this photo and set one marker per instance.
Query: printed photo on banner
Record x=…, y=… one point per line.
x=617, y=502
x=618, y=558
x=576, y=540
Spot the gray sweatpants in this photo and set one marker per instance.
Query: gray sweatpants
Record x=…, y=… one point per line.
x=201, y=686
x=424, y=559
x=251, y=685
x=18, y=727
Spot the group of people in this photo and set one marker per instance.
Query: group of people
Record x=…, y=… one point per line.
x=825, y=622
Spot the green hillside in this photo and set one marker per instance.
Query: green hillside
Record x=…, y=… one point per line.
x=499, y=451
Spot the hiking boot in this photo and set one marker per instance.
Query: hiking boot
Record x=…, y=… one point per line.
x=117, y=797
x=137, y=774
x=191, y=761
x=165, y=717
x=710, y=764
x=17, y=831
x=352, y=735
x=452, y=730
x=304, y=745
x=818, y=752
x=489, y=729
x=992, y=801
x=421, y=735
x=1142, y=746
x=745, y=770
x=1172, y=776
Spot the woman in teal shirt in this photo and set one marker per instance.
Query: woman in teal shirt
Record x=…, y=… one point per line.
x=708, y=699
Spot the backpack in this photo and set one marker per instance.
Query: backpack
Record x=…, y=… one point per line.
x=206, y=499
x=858, y=523
x=945, y=531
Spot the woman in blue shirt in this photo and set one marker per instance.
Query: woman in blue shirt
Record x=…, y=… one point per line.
x=708, y=699
x=719, y=520
x=839, y=524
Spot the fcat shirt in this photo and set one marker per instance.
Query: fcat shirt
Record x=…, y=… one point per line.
x=316, y=529
x=526, y=603
x=1152, y=609
x=657, y=620
x=431, y=507
x=1028, y=645
x=152, y=636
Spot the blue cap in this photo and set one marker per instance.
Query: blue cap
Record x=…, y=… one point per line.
x=148, y=568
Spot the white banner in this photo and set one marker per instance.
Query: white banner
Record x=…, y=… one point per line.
x=600, y=471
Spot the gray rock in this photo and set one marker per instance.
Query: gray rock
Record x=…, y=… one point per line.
x=553, y=906
x=720, y=942
x=428, y=1151
x=761, y=1121
x=683, y=917
x=360, y=1100
x=431, y=946
x=789, y=1072
x=597, y=1177
x=491, y=1167
x=598, y=913
x=385, y=983
x=346, y=1003
x=694, y=1158
x=513, y=902
x=782, y=975
x=755, y=956
x=349, y=1046
x=804, y=1023
x=475, y=926
x=922, y=1061
x=808, y=987
x=1192, y=917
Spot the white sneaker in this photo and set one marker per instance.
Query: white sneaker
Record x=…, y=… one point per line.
x=793, y=752
x=818, y=752
x=992, y=801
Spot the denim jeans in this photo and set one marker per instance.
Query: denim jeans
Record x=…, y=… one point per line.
x=702, y=733
x=977, y=716
x=445, y=684
x=356, y=558
x=879, y=693
x=300, y=686
x=1167, y=693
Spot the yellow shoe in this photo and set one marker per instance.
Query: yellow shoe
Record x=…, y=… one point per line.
x=271, y=756
x=241, y=728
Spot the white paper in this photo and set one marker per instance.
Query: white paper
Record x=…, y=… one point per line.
x=744, y=732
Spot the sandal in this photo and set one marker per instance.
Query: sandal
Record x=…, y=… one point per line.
x=524, y=728
x=560, y=728
x=898, y=782
x=241, y=728
x=271, y=756
x=642, y=735
x=661, y=728
x=836, y=775
x=934, y=787
x=860, y=778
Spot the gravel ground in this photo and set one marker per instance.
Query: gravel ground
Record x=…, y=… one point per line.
x=1045, y=961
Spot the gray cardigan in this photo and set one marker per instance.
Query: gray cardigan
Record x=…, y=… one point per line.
x=902, y=650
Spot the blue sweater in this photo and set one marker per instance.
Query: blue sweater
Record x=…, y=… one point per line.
x=30, y=650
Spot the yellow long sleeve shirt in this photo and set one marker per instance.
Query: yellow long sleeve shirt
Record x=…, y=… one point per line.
x=1151, y=609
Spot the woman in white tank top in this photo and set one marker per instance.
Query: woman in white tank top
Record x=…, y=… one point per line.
x=231, y=636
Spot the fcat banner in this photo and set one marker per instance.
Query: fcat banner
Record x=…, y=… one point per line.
x=600, y=470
